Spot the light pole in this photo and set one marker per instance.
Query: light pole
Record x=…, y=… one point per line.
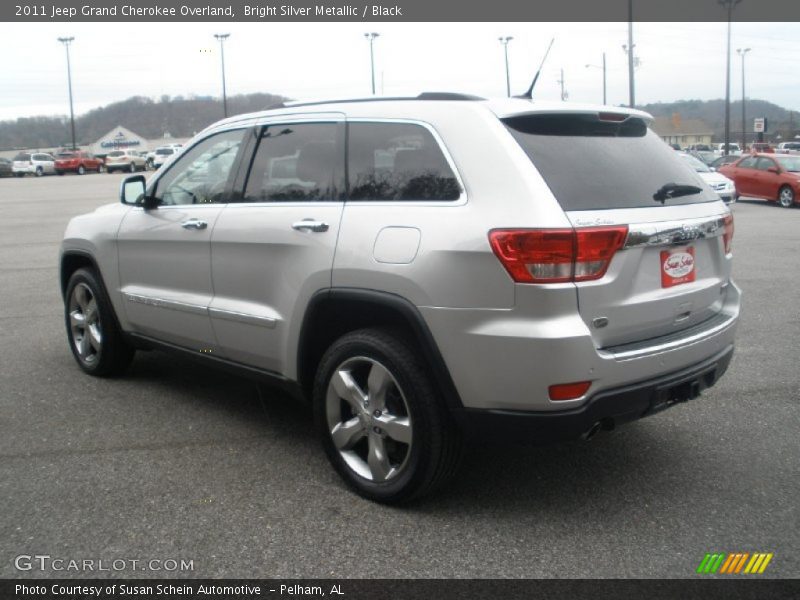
x=728, y=4
x=604, y=76
x=743, y=52
x=371, y=37
x=67, y=41
x=504, y=41
x=630, y=47
x=221, y=37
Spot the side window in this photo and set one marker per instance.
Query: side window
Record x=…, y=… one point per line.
x=201, y=175
x=397, y=161
x=297, y=162
x=748, y=163
x=765, y=163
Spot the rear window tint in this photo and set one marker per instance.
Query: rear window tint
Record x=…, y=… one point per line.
x=397, y=161
x=592, y=164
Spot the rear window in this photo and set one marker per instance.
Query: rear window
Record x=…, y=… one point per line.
x=22, y=156
x=164, y=151
x=591, y=164
x=116, y=153
x=398, y=161
x=66, y=155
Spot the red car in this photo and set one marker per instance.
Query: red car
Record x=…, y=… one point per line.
x=78, y=162
x=773, y=177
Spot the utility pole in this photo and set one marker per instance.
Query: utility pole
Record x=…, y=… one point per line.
x=729, y=4
x=504, y=41
x=743, y=52
x=371, y=37
x=67, y=41
x=605, y=99
x=631, y=87
x=221, y=37
x=564, y=93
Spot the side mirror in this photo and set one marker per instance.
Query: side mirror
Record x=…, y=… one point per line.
x=132, y=192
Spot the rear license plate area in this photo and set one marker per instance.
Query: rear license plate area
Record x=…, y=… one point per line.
x=677, y=266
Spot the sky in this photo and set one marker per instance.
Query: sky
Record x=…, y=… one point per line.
x=114, y=61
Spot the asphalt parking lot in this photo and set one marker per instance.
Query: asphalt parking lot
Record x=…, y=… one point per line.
x=176, y=461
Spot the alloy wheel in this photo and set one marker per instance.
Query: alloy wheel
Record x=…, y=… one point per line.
x=368, y=419
x=84, y=322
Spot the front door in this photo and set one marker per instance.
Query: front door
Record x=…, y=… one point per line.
x=165, y=252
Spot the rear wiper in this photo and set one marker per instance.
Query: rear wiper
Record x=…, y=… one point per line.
x=674, y=190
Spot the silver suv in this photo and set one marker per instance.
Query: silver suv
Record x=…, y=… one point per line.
x=424, y=270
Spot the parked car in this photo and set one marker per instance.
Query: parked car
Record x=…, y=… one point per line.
x=773, y=177
x=788, y=148
x=733, y=148
x=420, y=269
x=77, y=161
x=5, y=168
x=706, y=156
x=35, y=163
x=125, y=160
x=761, y=147
x=724, y=187
x=724, y=160
x=163, y=154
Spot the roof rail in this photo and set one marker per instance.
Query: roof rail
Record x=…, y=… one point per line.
x=423, y=96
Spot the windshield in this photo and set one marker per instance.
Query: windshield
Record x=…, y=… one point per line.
x=164, y=151
x=116, y=153
x=697, y=165
x=790, y=163
x=66, y=155
x=593, y=163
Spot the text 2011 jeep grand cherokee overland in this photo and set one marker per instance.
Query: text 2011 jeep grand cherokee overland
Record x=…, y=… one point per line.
x=420, y=268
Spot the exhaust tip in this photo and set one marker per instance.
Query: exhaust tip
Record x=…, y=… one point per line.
x=592, y=431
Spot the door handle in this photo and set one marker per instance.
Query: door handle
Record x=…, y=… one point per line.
x=194, y=224
x=311, y=225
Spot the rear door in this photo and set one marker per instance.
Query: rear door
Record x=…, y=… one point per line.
x=767, y=182
x=273, y=247
x=610, y=172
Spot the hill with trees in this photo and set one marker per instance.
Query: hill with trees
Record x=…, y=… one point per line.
x=178, y=116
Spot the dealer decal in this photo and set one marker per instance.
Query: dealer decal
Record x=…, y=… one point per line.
x=677, y=266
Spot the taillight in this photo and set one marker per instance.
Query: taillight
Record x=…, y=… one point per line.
x=557, y=255
x=727, y=234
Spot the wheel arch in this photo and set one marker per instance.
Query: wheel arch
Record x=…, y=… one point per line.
x=71, y=261
x=334, y=312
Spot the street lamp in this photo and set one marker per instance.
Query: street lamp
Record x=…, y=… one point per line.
x=504, y=41
x=729, y=5
x=221, y=37
x=629, y=49
x=371, y=37
x=743, y=52
x=67, y=41
x=604, y=75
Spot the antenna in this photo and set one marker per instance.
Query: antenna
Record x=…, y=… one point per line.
x=529, y=94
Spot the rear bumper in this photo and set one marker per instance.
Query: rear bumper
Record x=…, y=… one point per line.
x=607, y=409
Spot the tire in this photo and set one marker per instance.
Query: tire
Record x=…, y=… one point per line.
x=786, y=197
x=60, y=172
x=396, y=441
x=132, y=168
x=81, y=170
x=109, y=171
x=92, y=331
x=39, y=171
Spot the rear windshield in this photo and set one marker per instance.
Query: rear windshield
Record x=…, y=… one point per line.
x=22, y=157
x=116, y=153
x=164, y=151
x=593, y=164
x=66, y=155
